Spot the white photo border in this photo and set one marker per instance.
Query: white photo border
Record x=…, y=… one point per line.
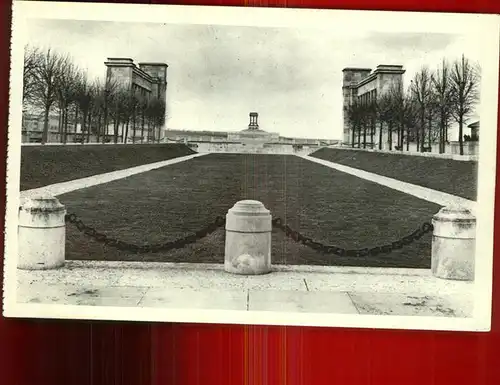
x=485, y=27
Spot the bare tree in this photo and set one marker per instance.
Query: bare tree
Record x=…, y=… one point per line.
x=66, y=83
x=134, y=105
x=409, y=117
x=397, y=113
x=106, y=97
x=86, y=95
x=157, y=116
x=421, y=91
x=32, y=59
x=465, y=79
x=143, y=107
x=442, y=90
x=354, y=117
x=383, y=110
x=44, y=92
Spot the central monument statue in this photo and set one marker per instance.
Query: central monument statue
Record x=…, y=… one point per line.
x=253, y=121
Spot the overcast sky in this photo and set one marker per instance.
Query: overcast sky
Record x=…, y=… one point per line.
x=218, y=74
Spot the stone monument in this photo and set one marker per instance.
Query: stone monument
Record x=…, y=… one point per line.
x=253, y=138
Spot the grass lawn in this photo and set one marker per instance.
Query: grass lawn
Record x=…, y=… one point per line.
x=450, y=176
x=174, y=201
x=44, y=165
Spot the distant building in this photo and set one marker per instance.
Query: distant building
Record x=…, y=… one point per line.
x=250, y=140
x=32, y=128
x=147, y=79
x=474, y=130
x=363, y=85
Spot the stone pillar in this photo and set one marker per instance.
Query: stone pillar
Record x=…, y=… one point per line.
x=453, y=244
x=41, y=234
x=248, y=239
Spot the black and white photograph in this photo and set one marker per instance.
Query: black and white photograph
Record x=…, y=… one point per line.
x=251, y=166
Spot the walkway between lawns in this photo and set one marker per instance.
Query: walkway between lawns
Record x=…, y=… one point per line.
x=330, y=206
x=454, y=177
x=94, y=180
x=438, y=197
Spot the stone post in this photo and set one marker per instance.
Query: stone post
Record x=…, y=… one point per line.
x=248, y=239
x=453, y=244
x=41, y=234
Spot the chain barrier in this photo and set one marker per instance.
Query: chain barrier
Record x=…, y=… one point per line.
x=341, y=252
x=276, y=223
x=143, y=249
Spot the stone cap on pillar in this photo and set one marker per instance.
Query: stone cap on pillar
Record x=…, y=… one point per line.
x=454, y=222
x=249, y=207
x=455, y=214
x=41, y=211
x=248, y=216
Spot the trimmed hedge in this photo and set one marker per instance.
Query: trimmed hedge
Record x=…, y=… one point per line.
x=447, y=175
x=45, y=165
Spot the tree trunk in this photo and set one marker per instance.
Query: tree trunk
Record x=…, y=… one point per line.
x=142, y=128
x=353, y=135
x=401, y=137
x=364, y=134
x=390, y=136
x=441, y=134
x=76, y=121
x=422, y=130
x=66, y=125
x=126, y=132
x=408, y=138
x=461, y=134
x=430, y=131
x=133, y=127
x=89, y=126
x=372, y=132
x=98, y=128
x=115, y=128
x=359, y=135
x=105, y=122
x=419, y=129
x=45, y=133
x=445, y=133
x=60, y=123
x=380, y=135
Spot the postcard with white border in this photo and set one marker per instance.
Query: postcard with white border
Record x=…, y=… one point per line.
x=251, y=166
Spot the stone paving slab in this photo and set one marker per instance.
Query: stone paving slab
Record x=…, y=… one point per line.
x=195, y=299
x=303, y=301
x=80, y=294
x=411, y=305
x=312, y=289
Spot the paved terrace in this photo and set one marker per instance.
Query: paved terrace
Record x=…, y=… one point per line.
x=311, y=289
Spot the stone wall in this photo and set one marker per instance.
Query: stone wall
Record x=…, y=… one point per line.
x=122, y=75
x=141, y=81
x=240, y=148
x=413, y=152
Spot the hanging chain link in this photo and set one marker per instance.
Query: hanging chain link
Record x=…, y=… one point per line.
x=143, y=249
x=220, y=222
x=341, y=252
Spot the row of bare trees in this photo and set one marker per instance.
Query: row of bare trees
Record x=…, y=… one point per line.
x=423, y=112
x=52, y=83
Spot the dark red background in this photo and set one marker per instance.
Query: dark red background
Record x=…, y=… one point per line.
x=36, y=352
